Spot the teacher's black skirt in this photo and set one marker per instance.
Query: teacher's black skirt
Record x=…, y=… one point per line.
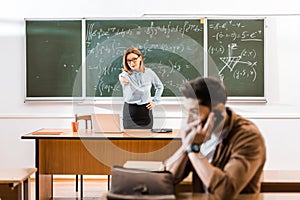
x=137, y=117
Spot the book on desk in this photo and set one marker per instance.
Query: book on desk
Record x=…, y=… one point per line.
x=47, y=133
x=144, y=165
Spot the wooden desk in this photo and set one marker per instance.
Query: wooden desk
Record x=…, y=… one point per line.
x=86, y=153
x=281, y=181
x=271, y=181
x=15, y=183
x=261, y=196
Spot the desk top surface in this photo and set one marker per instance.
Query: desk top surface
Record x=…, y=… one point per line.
x=261, y=196
x=17, y=175
x=52, y=133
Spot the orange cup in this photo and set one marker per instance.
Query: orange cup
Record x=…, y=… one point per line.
x=75, y=126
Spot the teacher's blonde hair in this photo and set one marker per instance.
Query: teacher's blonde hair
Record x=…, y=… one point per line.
x=134, y=50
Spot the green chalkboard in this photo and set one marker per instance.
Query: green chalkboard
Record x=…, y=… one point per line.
x=236, y=55
x=172, y=48
x=53, y=58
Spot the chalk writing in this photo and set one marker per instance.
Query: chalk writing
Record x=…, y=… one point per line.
x=236, y=48
x=172, y=48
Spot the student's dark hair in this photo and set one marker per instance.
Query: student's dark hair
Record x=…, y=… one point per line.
x=208, y=91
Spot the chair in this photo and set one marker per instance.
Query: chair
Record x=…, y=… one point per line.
x=86, y=118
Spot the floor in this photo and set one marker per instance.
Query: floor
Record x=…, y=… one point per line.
x=65, y=189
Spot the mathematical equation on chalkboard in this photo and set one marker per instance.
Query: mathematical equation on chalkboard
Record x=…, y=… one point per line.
x=236, y=47
x=178, y=50
x=172, y=48
x=236, y=51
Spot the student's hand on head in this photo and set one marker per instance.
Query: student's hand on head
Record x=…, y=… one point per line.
x=150, y=105
x=205, y=132
x=197, y=132
x=124, y=80
x=188, y=133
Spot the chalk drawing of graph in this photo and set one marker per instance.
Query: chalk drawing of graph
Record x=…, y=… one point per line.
x=231, y=62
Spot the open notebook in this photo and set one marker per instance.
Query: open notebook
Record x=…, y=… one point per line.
x=106, y=123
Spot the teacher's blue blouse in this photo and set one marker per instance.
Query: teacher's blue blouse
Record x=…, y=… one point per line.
x=138, y=91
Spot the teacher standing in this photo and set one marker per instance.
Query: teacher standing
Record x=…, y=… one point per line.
x=137, y=81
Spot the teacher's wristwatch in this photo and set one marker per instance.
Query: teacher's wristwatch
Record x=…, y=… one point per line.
x=193, y=148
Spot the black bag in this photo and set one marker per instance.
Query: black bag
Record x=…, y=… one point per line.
x=127, y=183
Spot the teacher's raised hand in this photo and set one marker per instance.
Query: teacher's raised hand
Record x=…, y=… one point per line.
x=124, y=80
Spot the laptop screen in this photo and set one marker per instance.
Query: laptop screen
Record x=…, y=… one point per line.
x=106, y=123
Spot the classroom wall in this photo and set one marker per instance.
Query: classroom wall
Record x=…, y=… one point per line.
x=278, y=119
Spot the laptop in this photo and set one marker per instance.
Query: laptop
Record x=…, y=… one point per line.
x=106, y=123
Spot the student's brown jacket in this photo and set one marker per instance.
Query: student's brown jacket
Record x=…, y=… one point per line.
x=239, y=160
